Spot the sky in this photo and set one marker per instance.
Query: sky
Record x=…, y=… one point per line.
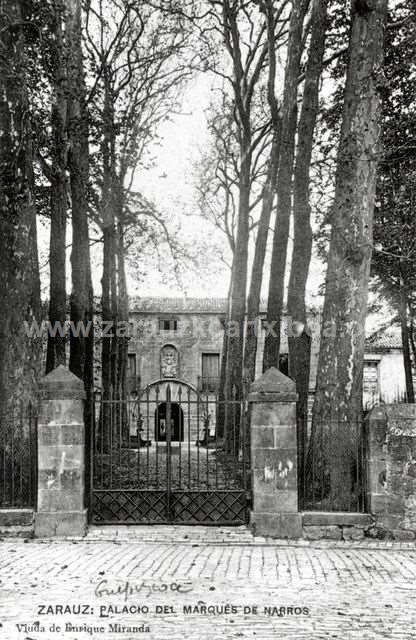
x=169, y=184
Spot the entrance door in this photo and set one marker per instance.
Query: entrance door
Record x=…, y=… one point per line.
x=176, y=422
x=163, y=459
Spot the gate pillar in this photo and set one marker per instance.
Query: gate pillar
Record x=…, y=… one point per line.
x=61, y=441
x=272, y=401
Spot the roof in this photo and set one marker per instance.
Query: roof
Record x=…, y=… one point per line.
x=384, y=339
x=179, y=305
x=186, y=305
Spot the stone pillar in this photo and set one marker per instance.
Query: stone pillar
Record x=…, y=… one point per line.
x=391, y=470
x=61, y=442
x=272, y=401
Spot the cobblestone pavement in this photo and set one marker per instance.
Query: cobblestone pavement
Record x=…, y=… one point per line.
x=322, y=591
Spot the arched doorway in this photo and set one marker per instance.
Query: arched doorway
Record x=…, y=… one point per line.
x=176, y=422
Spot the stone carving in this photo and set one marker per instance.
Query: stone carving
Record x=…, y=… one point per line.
x=169, y=362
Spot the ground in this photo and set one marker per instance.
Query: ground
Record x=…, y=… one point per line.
x=363, y=590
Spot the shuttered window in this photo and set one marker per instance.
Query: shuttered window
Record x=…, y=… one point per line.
x=210, y=371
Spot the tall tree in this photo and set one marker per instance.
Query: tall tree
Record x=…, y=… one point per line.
x=246, y=73
x=299, y=336
x=275, y=26
x=81, y=305
x=236, y=27
x=284, y=183
x=56, y=173
x=302, y=231
x=19, y=286
x=394, y=260
x=339, y=379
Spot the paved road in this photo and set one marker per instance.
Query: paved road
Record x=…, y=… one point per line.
x=302, y=592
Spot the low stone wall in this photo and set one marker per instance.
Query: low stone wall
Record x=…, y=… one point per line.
x=391, y=471
x=16, y=523
x=336, y=526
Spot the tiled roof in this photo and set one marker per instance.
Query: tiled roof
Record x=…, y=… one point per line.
x=384, y=339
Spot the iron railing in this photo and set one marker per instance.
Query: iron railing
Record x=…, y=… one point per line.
x=172, y=455
x=18, y=458
x=208, y=384
x=332, y=474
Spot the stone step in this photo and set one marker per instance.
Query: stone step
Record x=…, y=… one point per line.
x=171, y=533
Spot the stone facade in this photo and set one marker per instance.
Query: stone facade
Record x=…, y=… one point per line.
x=185, y=331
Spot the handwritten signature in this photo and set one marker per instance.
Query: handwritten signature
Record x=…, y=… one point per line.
x=129, y=589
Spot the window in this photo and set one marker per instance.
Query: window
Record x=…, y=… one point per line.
x=370, y=385
x=210, y=372
x=131, y=366
x=168, y=324
x=370, y=377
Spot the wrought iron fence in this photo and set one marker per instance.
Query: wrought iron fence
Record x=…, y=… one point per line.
x=332, y=462
x=171, y=455
x=208, y=384
x=18, y=458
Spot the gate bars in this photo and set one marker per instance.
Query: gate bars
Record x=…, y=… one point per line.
x=171, y=455
x=18, y=457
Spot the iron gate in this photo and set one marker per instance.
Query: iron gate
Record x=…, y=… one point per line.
x=18, y=457
x=171, y=455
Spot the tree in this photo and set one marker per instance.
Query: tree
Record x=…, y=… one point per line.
x=300, y=339
x=55, y=172
x=247, y=62
x=81, y=301
x=235, y=27
x=137, y=68
x=338, y=391
x=19, y=286
x=275, y=27
x=394, y=258
x=284, y=183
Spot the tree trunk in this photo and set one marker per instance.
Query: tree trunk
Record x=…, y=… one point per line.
x=412, y=335
x=234, y=377
x=222, y=396
x=57, y=248
x=284, y=185
x=106, y=317
x=109, y=263
x=254, y=295
x=300, y=341
x=19, y=282
x=81, y=360
x=123, y=316
x=338, y=400
x=407, y=359
x=253, y=301
x=302, y=245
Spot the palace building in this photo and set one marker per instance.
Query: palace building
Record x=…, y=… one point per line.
x=182, y=338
